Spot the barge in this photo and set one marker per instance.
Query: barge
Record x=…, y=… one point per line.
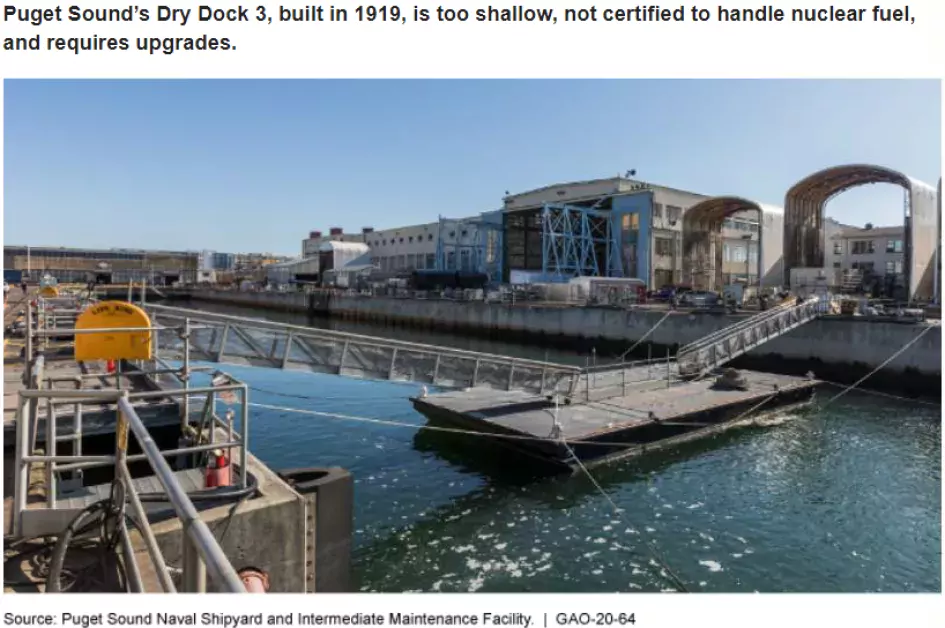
x=560, y=435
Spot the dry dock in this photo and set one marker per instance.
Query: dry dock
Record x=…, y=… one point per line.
x=84, y=441
x=612, y=428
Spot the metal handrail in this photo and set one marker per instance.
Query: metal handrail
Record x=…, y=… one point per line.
x=219, y=568
x=747, y=323
x=199, y=541
x=751, y=321
x=204, y=318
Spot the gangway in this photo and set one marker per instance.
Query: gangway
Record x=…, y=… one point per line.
x=248, y=341
x=717, y=349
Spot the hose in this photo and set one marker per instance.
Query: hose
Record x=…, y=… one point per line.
x=208, y=495
x=53, y=583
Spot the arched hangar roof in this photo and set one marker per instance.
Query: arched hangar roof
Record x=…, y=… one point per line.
x=823, y=185
x=714, y=210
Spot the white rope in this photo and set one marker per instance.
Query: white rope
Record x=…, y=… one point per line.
x=619, y=512
x=646, y=335
x=432, y=428
x=870, y=391
x=902, y=350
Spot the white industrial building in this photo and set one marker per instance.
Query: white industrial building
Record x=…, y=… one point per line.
x=415, y=247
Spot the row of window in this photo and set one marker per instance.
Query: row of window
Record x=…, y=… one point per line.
x=893, y=267
x=409, y=239
x=66, y=254
x=739, y=253
x=413, y=261
x=673, y=213
x=425, y=261
x=867, y=247
x=631, y=221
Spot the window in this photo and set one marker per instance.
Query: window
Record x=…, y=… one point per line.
x=431, y=259
x=894, y=246
x=430, y=237
x=862, y=247
x=739, y=254
x=658, y=211
x=631, y=222
x=452, y=234
x=894, y=267
x=401, y=240
x=410, y=239
x=836, y=264
x=838, y=248
x=463, y=233
x=673, y=213
x=664, y=246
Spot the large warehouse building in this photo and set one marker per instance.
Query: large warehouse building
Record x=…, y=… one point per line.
x=621, y=227
x=102, y=265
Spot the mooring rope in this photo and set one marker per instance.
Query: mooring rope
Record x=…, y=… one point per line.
x=878, y=393
x=434, y=428
x=646, y=335
x=902, y=350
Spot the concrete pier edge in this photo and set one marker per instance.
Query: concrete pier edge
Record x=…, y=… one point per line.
x=835, y=349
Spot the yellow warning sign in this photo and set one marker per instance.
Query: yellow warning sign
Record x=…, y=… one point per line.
x=113, y=345
x=49, y=291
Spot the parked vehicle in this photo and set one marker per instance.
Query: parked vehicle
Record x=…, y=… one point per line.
x=699, y=298
x=668, y=292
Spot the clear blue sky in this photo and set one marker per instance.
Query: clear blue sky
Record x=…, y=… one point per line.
x=254, y=165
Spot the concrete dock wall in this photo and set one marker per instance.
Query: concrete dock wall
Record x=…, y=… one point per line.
x=827, y=346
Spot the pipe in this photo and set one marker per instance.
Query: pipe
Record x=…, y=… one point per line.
x=255, y=580
x=154, y=550
x=218, y=566
x=131, y=565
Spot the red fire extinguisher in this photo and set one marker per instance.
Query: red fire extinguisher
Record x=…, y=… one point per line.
x=110, y=366
x=218, y=470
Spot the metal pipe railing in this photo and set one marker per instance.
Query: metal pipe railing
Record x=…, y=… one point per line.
x=746, y=323
x=218, y=567
x=154, y=550
x=220, y=320
x=202, y=553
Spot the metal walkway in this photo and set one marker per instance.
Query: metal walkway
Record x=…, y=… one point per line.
x=702, y=356
x=248, y=341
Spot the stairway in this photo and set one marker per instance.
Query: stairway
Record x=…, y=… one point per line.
x=706, y=354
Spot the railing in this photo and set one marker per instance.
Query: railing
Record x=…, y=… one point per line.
x=742, y=324
x=201, y=553
x=239, y=340
x=730, y=342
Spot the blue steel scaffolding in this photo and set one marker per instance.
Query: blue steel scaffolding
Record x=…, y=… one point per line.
x=471, y=245
x=578, y=242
